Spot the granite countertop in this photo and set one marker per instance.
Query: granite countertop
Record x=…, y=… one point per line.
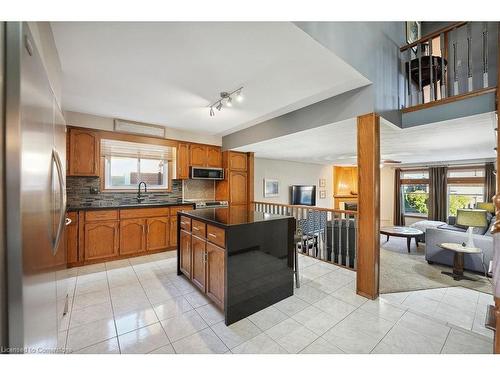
x=125, y=204
x=221, y=216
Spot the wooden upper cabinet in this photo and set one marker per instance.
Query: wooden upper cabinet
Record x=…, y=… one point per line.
x=237, y=161
x=132, y=236
x=238, y=187
x=198, y=248
x=215, y=274
x=158, y=231
x=214, y=157
x=101, y=240
x=198, y=155
x=83, y=153
x=183, y=161
x=205, y=156
x=185, y=253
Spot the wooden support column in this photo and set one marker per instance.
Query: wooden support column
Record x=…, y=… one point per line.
x=250, y=178
x=368, y=239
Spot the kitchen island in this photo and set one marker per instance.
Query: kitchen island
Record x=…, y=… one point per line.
x=243, y=263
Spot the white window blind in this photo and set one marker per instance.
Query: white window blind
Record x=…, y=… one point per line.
x=111, y=147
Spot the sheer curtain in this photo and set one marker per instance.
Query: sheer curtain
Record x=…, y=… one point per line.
x=438, y=193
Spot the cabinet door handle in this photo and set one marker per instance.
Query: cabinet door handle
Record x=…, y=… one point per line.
x=212, y=235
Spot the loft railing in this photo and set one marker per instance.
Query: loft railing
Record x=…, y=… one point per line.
x=454, y=61
x=327, y=234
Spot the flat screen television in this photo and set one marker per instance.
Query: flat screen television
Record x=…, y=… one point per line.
x=304, y=195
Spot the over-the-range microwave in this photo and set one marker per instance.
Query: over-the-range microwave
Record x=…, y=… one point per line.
x=202, y=173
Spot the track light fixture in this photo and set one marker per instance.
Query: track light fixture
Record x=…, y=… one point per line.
x=226, y=98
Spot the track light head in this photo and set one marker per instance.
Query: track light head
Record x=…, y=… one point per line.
x=212, y=113
x=239, y=97
x=229, y=102
x=219, y=106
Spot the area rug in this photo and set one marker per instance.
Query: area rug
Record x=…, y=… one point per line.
x=401, y=271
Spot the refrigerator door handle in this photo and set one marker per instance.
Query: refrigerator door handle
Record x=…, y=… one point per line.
x=62, y=202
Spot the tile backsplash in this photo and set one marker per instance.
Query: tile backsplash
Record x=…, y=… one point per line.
x=78, y=191
x=198, y=189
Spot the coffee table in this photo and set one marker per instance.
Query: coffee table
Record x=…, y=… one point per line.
x=405, y=232
x=458, y=259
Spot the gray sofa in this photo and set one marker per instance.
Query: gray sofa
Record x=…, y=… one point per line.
x=472, y=262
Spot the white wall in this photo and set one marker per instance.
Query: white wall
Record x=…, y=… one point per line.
x=86, y=120
x=292, y=173
x=386, y=196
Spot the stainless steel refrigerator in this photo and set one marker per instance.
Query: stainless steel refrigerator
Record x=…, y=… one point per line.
x=35, y=204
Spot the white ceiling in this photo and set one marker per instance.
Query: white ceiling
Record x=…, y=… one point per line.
x=465, y=139
x=168, y=73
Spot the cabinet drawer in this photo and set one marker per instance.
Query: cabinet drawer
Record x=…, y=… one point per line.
x=199, y=228
x=186, y=223
x=174, y=210
x=216, y=235
x=101, y=215
x=135, y=213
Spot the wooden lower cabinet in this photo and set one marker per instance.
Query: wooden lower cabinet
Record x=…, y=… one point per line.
x=173, y=230
x=100, y=235
x=72, y=238
x=215, y=274
x=101, y=240
x=158, y=233
x=198, y=248
x=185, y=253
x=132, y=236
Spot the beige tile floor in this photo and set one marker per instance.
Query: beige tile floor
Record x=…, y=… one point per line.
x=140, y=305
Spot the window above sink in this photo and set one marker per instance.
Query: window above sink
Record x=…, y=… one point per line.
x=126, y=164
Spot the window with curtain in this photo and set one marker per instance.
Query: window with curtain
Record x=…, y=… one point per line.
x=126, y=164
x=465, y=188
x=415, y=192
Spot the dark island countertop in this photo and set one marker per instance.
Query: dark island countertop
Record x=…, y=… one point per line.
x=222, y=217
x=126, y=204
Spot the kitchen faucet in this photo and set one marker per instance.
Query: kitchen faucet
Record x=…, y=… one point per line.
x=140, y=198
